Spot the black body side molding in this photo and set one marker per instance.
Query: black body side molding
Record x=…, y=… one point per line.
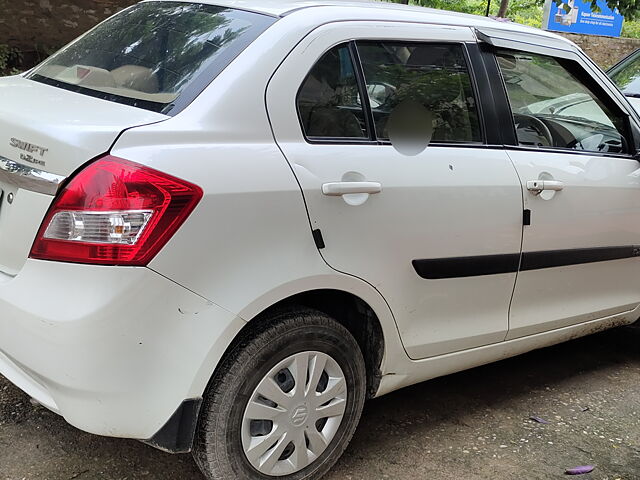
x=578, y=256
x=459, y=267
x=178, y=433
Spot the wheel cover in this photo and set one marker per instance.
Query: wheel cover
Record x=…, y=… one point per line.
x=294, y=413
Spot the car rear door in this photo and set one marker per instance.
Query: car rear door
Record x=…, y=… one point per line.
x=437, y=231
x=573, y=148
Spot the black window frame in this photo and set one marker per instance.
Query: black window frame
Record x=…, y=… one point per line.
x=503, y=105
x=479, y=83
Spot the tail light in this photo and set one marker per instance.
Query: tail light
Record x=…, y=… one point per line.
x=114, y=212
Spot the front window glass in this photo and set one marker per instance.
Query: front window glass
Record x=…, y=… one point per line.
x=152, y=53
x=410, y=78
x=552, y=107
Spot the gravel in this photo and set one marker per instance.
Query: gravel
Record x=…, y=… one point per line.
x=472, y=425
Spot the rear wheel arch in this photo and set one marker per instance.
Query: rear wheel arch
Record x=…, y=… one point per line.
x=348, y=309
x=356, y=315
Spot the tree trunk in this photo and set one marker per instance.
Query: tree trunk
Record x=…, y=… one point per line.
x=504, y=6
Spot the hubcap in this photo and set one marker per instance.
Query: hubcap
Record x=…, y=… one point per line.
x=294, y=413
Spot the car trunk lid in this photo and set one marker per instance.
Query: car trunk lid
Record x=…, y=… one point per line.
x=46, y=134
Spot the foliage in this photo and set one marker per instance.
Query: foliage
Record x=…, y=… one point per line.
x=631, y=29
x=465, y=6
x=529, y=12
x=9, y=59
x=630, y=9
x=478, y=7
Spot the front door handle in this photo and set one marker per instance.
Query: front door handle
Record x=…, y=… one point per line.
x=337, y=189
x=538, y=186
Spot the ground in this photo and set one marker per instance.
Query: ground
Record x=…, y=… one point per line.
x=472, y=425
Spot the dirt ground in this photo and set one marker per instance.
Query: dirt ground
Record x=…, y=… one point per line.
x=473, y=425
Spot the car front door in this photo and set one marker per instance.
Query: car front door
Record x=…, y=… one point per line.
x=428, y=227
x=573, y=150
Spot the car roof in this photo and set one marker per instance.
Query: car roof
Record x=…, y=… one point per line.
x=377, y=10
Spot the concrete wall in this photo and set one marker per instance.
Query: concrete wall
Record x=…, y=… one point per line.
x=606, y=51
x=39, y=27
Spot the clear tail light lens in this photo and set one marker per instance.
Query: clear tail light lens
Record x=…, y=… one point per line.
x=124, y=228
x=114, y=212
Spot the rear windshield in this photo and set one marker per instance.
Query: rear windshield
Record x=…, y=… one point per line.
x=155, y=55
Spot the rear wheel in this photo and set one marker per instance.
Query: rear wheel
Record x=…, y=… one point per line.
x=285, y=401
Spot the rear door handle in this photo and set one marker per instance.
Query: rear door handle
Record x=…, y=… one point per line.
x=538, y=186
x=337, y=189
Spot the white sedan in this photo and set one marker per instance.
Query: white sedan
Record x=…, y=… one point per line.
x=225, y=224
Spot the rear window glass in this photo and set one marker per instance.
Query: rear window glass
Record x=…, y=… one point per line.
x=156, y=55
x=434, y=77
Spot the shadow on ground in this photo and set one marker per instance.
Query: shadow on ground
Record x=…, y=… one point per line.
x=472, y=425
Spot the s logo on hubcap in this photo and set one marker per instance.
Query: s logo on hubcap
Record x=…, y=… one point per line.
x=299, y=415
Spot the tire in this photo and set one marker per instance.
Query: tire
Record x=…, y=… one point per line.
x=232, y=432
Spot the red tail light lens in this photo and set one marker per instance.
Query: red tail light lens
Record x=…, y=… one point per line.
x=114, y=212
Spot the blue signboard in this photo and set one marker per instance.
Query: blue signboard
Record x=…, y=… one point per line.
x=576, y=16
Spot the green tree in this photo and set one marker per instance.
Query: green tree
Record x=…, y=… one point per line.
x=465, y=6
x=504, y=7
x=630, y=9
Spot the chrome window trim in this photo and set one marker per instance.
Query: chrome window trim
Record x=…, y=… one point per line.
x=29, y=178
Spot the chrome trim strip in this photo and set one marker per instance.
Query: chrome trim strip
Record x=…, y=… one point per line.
x=29, y=178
